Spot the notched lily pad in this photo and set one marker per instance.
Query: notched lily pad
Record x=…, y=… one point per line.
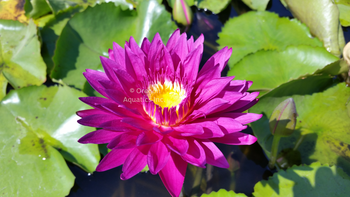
x=20, y=60
x=37, y=124
x=269, y=69
x=262, y=31
x=314, y=180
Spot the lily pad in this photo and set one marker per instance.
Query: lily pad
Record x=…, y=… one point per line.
x=322, y=17
x=314, y=180
x=214, y=6
x=52, y=30
x=257, y=4
x=223, y=193
x=20, y=60
x=36, y=8
x=269, y=69
x=344, y=9
x=263, y=31
x=91, y=33
x=50, y=114
x=37, y=124
x=322, y=132
x=3, y=86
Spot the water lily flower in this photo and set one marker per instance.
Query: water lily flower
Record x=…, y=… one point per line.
x=158, y=110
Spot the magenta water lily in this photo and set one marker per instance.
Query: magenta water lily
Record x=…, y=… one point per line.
x=158, y=110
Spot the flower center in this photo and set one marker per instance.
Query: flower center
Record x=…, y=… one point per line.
x=167, y=94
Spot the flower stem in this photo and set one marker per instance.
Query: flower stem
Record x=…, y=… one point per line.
x=274, y=150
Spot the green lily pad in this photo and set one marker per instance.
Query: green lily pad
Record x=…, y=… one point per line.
x=3, y=86
x=50, y=114
x=20, y=60
x=280, y=67
x=322, y=17
x=257, y=4
x=214, y=6
x=91, y=33
x=36, y=8
x=38, y=127
x=314, y=180
x=323, y=123
x=223, y=193
x=262, y=31
x=52, y=30
x=344, y=9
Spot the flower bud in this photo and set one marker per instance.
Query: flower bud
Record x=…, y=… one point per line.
x=283, y=119
x=182, y=12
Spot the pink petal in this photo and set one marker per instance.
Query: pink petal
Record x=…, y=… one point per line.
x=148, y=137
x=211, y=129
x=146, y=125
x=145, y=45
x=195, y=154
x=109, y=66
x=135, y=162
x=237, y=138
x=189, y=129
x=113, y=159
x=111, y=54
x=95, y=102
x=179, y=51
x=89, y=112
x=178, y=145
x=173, y=40
x=123, y=141
x=137, y=64
x=198, y=42
x=227, y=124
x=101, y=136
x=173, y=174
x=157, y=157
x=244, y=103
x=207, y=108
x=212, y=89
x=97, y=119
x=119, y=56
x=214, y=66
x=191, y=63
x=244, y=118
x=213, y=155
x=93, y=77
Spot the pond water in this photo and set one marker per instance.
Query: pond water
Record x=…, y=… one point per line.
x=248, y=163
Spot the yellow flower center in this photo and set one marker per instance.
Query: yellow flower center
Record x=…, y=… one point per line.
x=167, y=94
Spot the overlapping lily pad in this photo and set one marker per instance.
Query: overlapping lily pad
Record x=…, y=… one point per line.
x=314, y=180
x=36, y=8
x=223, y=193
x=91, y=33
x=20, y=60
x=344, y=9
x=257, y=4
x=269, y=69
x=323, y=122
x=256, y=31
x=322, y=17
x=37, y=124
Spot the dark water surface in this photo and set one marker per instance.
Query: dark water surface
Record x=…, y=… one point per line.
x=248, y=163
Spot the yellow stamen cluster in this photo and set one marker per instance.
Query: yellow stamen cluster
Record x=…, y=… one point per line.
x=168, y=94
